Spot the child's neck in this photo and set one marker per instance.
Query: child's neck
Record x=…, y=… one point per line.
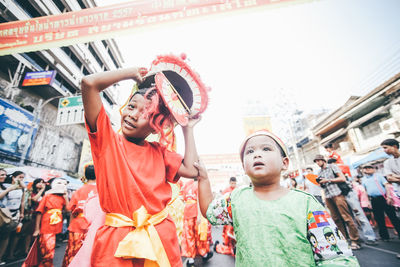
x=136, y=141
x=271, y=191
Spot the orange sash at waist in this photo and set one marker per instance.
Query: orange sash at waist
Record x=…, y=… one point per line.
x=143, y=242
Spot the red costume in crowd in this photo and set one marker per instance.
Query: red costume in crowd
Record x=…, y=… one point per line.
x=195, y=238
x=51, y=224
x=78, y=225
x=228, y=245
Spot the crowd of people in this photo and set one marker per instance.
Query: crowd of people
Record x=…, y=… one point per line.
x=37, y=211
x=359, y=202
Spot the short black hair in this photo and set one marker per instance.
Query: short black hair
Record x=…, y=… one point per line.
x=328, y=145
x=390, y=142
x=330, y=161
x=89, y=173
x=232, y=179
x=309, y=168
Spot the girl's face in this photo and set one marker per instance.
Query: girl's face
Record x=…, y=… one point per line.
x=3, y=176
x=134, y=123
x=262, y=160
x=19, y=177
x=40, y=185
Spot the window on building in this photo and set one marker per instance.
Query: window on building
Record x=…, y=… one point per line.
x=107, y=98
x=371, y=127
x=28, y=8
x=73, y=57
x=80, y=2
x=59, y=4
x=91, y=49
x=36, y=60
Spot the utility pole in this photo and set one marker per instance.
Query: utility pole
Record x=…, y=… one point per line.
x=35, y=125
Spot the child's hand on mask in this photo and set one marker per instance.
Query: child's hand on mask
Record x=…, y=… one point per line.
x=138, y=74
x=192, y=121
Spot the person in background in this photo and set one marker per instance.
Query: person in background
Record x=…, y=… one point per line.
x=312, y=186
x=228, y=237
x=78, y=224
x=376, y=186
x=5, y=229
x=16, y=205
x=293, y=183
x=195, y=226
x=391, y=166
x=49, y=220
x=333, y=154
x=364, y=200
x=328, y=177
x=33, y=196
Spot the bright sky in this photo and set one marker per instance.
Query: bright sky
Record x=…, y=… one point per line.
x=320, y=52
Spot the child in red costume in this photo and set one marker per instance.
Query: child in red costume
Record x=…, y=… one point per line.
x=79, y=225
x=49, y=219
x=195, y=229
x=133, y=174
x=228, y=235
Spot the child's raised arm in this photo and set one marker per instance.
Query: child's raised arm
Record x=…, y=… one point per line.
x=187, y=169
x=204, y=186
x=93, y=84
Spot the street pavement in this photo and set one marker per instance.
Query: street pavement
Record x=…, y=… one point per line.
x=383, y=255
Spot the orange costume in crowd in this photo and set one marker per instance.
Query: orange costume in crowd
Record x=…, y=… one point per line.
x=51, y=224
x=78, y=225
x=344, y=168
x=133, y=189
x=195, y=238
x=228, y=245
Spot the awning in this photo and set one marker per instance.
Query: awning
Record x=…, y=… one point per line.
x=333, y=136
x=377, y=154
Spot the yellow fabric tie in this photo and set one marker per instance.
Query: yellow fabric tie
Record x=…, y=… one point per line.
x=143, y=242
x=190, y=201
x=203, y=229
x=55, y=216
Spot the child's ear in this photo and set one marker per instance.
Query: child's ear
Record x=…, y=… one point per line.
x=285, y=163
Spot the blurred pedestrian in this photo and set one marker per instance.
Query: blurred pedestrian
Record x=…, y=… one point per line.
x=78, y=225
x=195, y=227
x=33, y=196
x=16, y=205
x=328, y=177
x=392, y=165
x=333, y=154
x=49, y=220
x=7, y=228
x=365, y=203
x=312, y=186
x=377, y=188
x=228, y=236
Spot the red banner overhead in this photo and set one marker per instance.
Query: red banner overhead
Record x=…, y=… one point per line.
x=105, y=22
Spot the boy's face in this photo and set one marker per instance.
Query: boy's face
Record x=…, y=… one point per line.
x=390, y=150
x=262, y=159
x=368, y=170
x=320, y=162
x=134, y=123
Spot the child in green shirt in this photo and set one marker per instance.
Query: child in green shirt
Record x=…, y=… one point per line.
x=274, y=226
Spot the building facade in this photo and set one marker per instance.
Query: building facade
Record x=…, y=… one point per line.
x=57, y=147
x=357, y=128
